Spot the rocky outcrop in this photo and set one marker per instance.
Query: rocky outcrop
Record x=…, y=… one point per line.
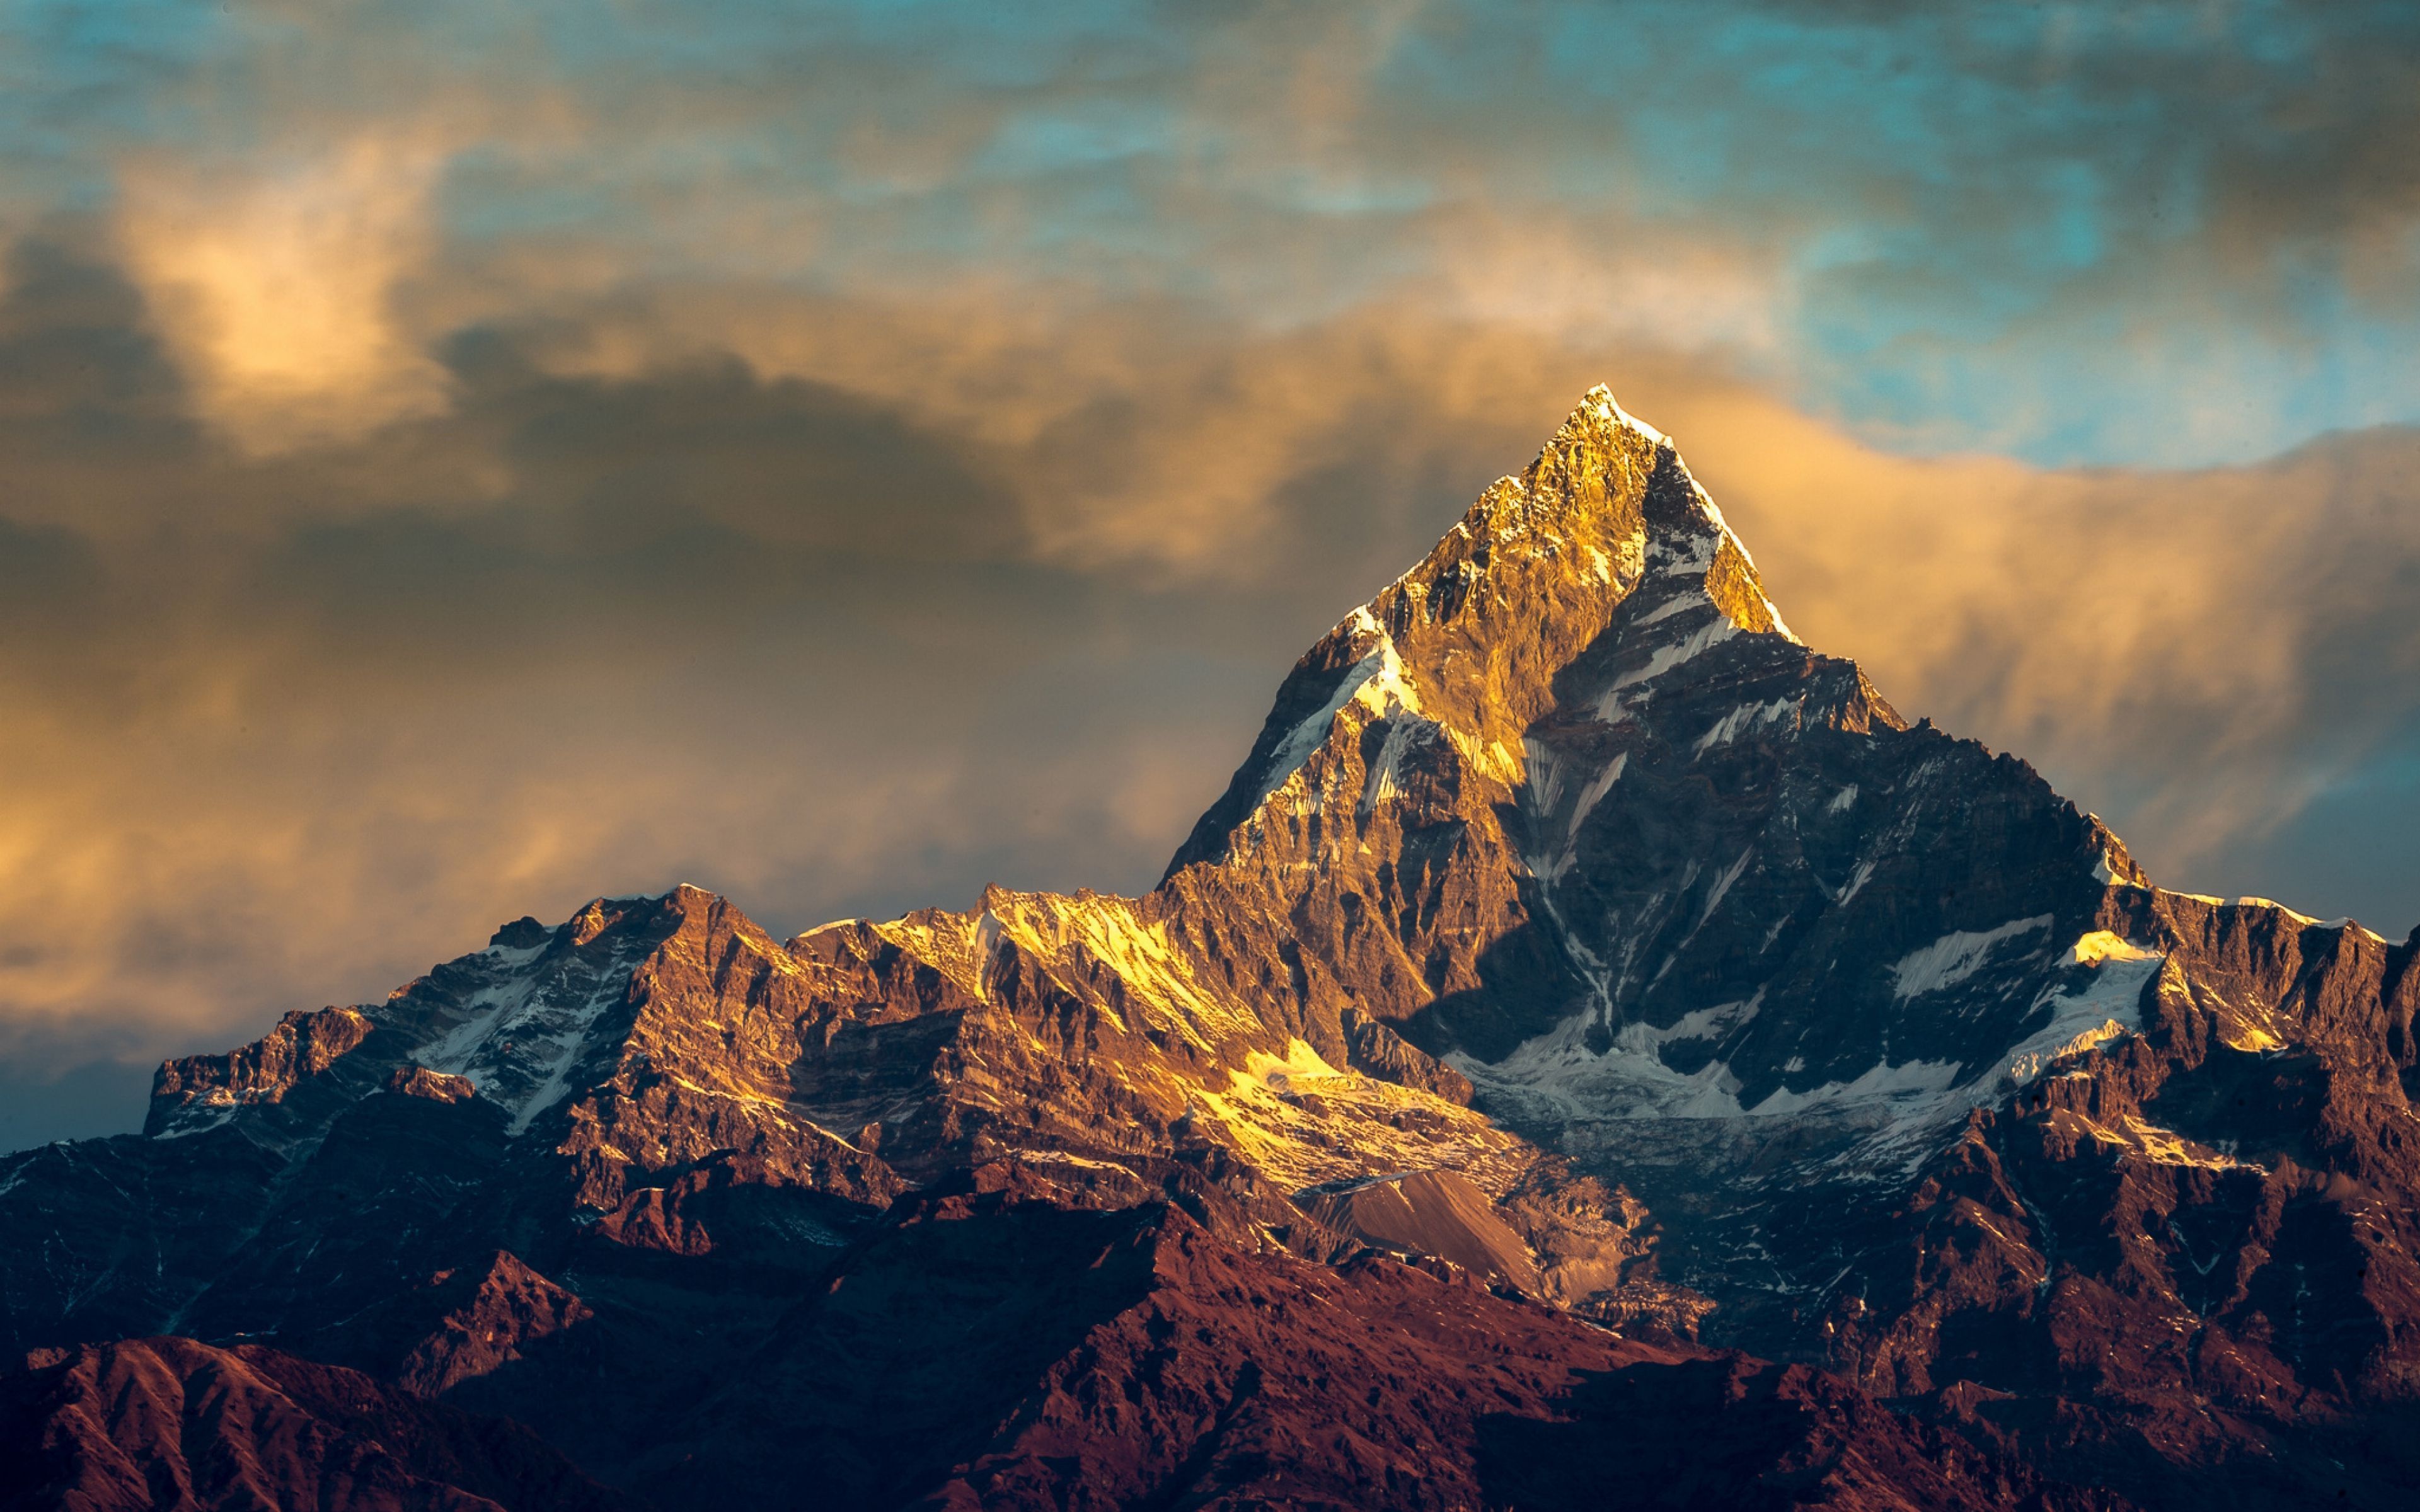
x=419, y=1081
x=1428, y=1214
x=200, y=1090
x=169, y=1423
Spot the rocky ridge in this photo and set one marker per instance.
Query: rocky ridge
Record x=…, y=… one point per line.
x=1562, y=875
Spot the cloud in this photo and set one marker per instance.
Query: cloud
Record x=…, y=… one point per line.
x=275, y=280
x=2168, y=232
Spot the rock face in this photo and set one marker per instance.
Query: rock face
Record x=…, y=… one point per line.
x=1432, y=1214
x=169, y=1423
x=1575, y=952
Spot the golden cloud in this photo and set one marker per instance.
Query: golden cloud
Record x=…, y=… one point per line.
x=277, y=285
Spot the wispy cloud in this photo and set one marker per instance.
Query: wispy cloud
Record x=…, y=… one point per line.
x=2167, y=232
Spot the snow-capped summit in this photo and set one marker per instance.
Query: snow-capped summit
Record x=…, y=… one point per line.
x=1460, y=652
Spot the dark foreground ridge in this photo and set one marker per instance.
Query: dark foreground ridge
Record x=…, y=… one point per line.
x=1596, y=1053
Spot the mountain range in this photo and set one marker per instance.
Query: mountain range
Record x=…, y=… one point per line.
x=1596, y=1052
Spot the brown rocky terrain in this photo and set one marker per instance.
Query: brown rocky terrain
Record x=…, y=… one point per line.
x=1580, y=973
x=169, y=1423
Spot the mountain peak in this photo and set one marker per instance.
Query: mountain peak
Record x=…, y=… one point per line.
x=1471, y=639
x=1598, y=410
x=1610, y=494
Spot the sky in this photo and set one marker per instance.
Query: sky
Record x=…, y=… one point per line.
x=459, y=460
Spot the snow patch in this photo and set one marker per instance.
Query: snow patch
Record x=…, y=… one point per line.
x=1678, y=603
x=2102, y=944
x=1700, y=1023
x=534, y=1026
x=2106, y=874
x=207, y=1112
x=1955, y=957
x=1912, y=1081
x=1742, y=719
x=1722, y=886
x=2272, y=903
x=1542, y=788
x=2107, y=1005
x=1885, y=1120
x=513, y=957
x=1598, y=787
x=1661, y=660
x=1376, y=682
x=1383, y=781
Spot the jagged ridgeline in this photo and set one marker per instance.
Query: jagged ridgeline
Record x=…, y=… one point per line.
x=1579, y=971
